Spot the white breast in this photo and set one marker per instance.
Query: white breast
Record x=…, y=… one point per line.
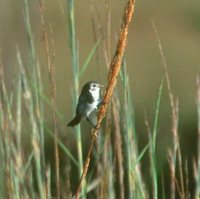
x=93, y=106
x=95, y=93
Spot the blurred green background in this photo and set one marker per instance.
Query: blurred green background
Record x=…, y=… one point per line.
x=178, y=24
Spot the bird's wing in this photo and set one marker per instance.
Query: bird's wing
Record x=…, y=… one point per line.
x=86, y=98
x=100, y=102
x=82, y=102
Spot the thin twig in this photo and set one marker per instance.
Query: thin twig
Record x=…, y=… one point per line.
x=118, y=149
x=50, y=55
x=197, y=164
x=112, y=79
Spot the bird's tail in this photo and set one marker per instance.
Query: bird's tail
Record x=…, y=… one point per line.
x=75, y=121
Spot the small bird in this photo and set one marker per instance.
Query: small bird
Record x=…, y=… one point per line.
x=88, y=101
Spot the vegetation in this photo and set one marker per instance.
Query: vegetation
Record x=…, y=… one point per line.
x=116, y=164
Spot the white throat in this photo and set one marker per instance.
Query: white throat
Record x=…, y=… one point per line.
x=95, y=93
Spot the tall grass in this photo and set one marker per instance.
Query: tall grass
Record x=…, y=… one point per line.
x=116, y=166
x=197, y=164
x=135, y=186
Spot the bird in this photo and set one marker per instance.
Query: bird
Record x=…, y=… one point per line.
x=88, y=101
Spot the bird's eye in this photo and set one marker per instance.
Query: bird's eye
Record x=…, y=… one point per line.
x=94, y=85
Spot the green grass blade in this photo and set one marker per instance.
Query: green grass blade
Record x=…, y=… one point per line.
x=156, y=114
x=153, y=144
x=64, y=148
x=28, y=98
x=87, y=61
x=140, y=156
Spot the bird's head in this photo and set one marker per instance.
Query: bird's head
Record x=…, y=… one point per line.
x=92, y=87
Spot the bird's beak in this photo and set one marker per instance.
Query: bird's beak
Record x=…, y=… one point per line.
x=101, y=86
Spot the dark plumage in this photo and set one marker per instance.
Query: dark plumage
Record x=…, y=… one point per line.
x=88, y=101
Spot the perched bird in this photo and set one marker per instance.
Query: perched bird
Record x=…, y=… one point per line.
x=88, y=101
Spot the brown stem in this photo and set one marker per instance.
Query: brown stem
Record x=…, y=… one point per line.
x=50, y=54
x=112, y=79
